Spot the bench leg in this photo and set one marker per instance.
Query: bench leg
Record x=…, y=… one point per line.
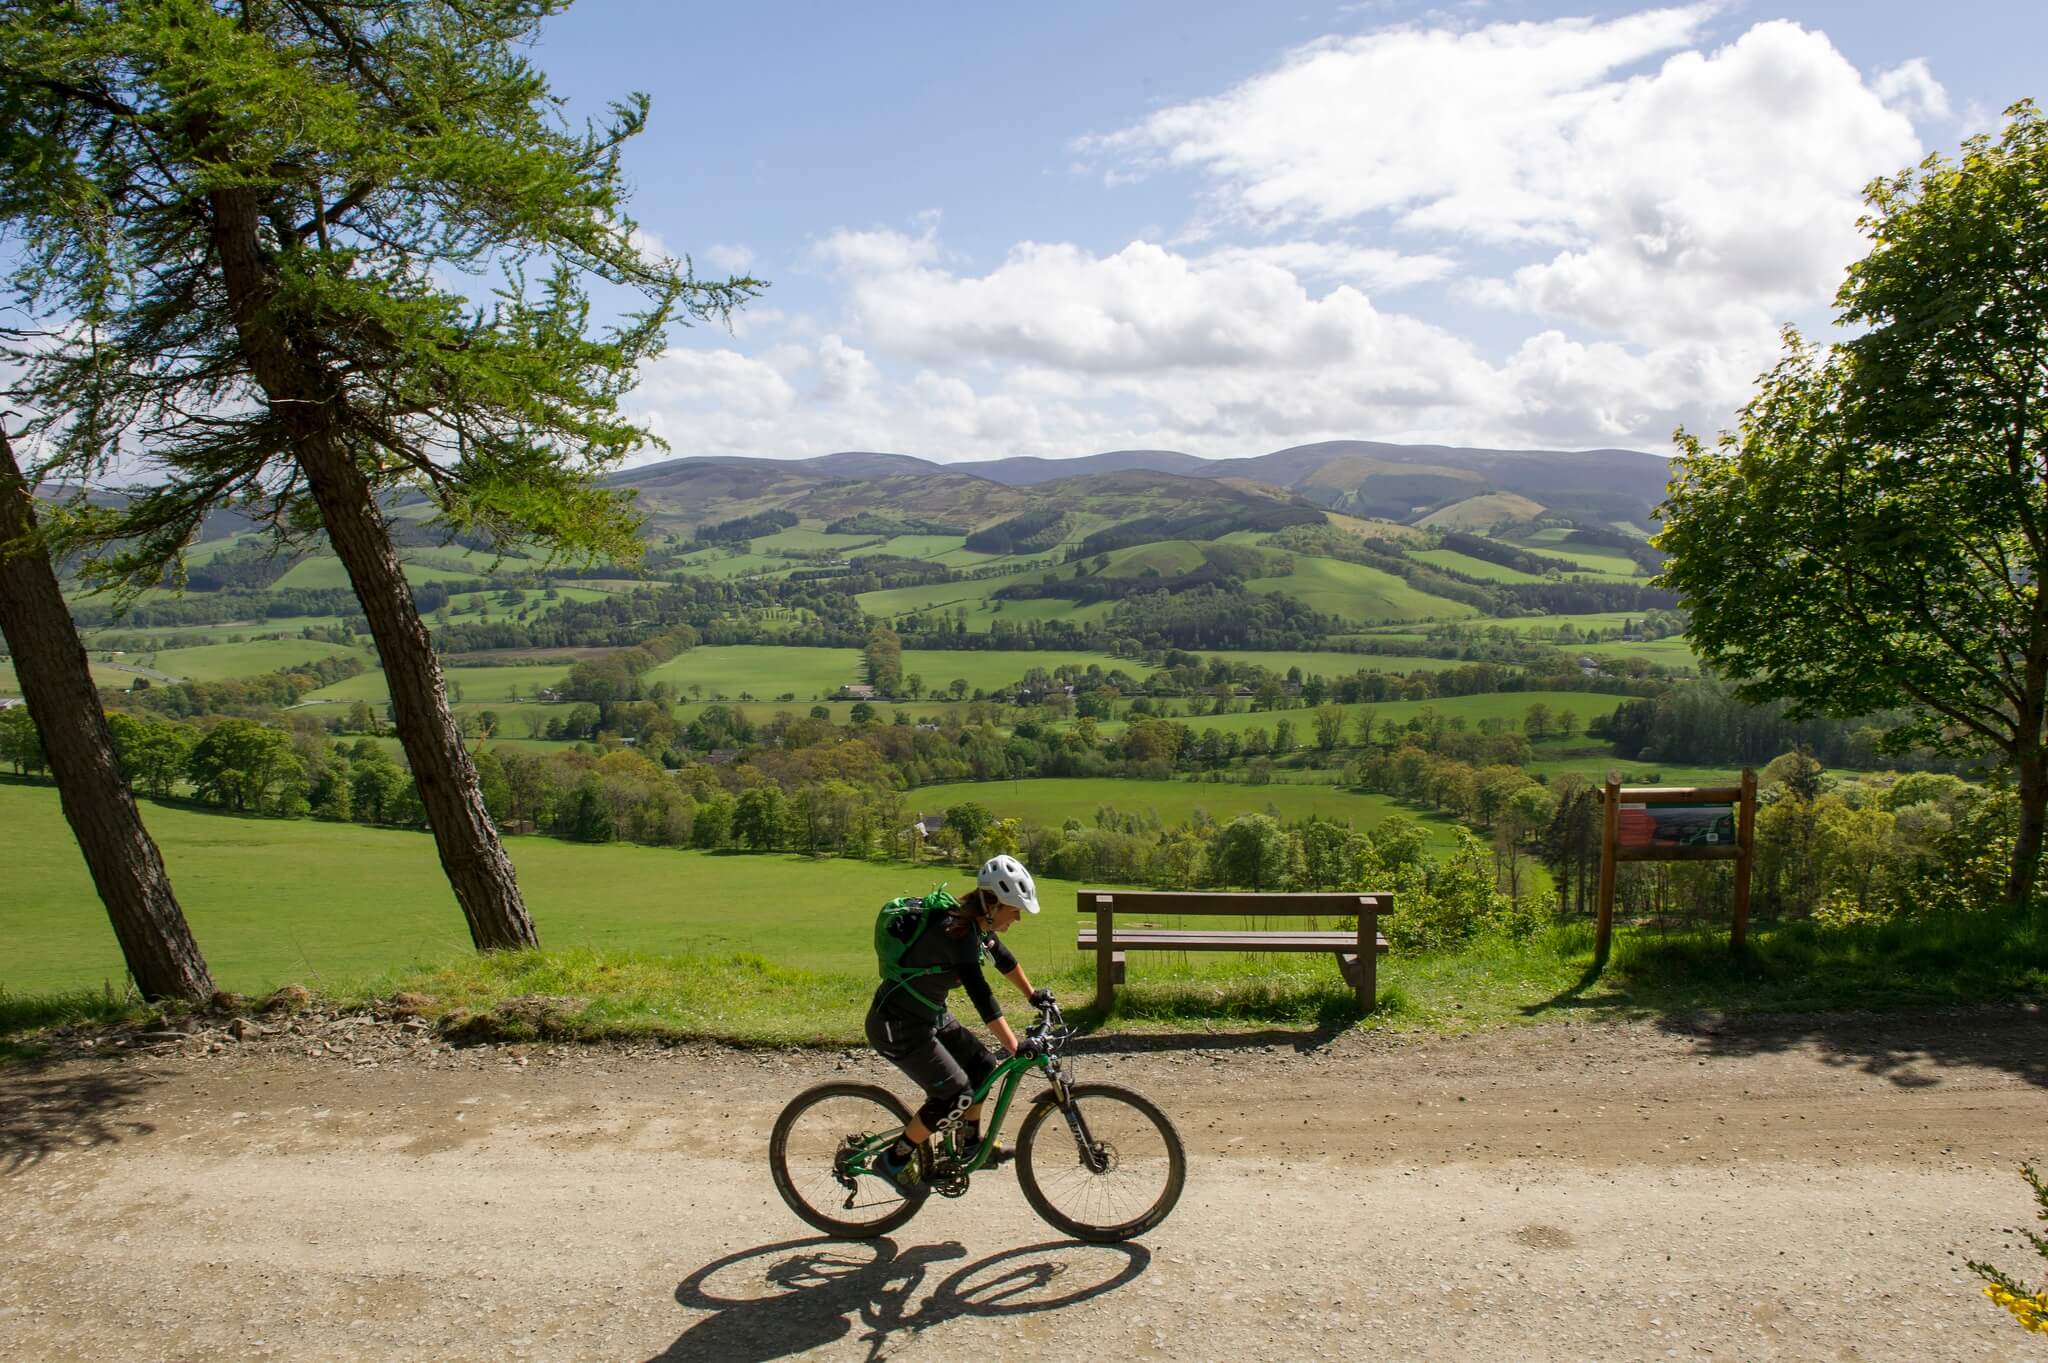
x=1107, y=974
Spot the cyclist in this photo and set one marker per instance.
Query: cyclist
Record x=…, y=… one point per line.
x=908, y=1022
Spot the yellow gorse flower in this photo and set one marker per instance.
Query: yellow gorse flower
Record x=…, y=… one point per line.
x=2030, y=1310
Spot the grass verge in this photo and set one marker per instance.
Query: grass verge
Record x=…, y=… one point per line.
x=588, y=994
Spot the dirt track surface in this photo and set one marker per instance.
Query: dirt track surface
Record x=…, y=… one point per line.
x=1792, y=1189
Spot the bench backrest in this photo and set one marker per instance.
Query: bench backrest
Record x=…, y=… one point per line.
x=1324, y=904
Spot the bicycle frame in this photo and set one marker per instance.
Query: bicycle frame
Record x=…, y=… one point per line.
x=1009, y=1074
x=1050, y=1035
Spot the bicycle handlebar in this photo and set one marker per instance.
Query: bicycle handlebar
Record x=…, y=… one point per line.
x=1050, y=1033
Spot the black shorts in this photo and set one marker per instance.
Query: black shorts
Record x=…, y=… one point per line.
x=945, y=1059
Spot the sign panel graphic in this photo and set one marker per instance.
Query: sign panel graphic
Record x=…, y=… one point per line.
x=1646, y=827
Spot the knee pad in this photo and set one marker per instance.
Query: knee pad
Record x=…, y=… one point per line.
x=942, y=1110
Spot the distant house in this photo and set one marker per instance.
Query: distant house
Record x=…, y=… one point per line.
x=921, y=831
x=855, y=691
x=10, y=702
x=722, y=757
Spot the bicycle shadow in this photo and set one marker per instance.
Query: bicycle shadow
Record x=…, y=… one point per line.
x=823, y=1291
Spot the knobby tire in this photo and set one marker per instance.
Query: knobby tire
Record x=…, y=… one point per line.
x=1058, y=1156
x=804, y=1188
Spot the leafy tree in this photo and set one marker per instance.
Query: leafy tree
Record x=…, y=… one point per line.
x=884, y=658
x=971, y=822
x=495, y=786
x=712, y=826
x=1875, y=534
x=73, y=739
x=760, y=819
x=152, y=751
x=375, y=786
x=21, y=743
x=1329, y=722
x=240, y=762
x=1251, y=850
x=239, y=217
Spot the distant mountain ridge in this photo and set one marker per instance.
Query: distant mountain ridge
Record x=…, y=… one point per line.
x=1367, y=478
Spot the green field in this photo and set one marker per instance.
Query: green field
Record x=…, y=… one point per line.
x=1674, y=652
x=1050, y=802
x=104, y=675
x=218, y=662
x=989, y=670
x=1165, y=558
x=285, y=627
x=477, y=684
x=1332, y=665
x=325, y=570
x=1352, y=591
x=1602, y=620
x=974, y=595
x=1602, y=565
x=763, y=670
x=1507, y=705
x=272, y=901
x=1472, y=567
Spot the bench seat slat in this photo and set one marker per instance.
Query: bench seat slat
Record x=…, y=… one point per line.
x=1183, y=939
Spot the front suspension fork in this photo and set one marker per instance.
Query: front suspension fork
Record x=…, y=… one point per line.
x=1084, y=1144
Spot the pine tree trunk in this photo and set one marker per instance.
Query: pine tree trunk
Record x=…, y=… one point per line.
x=471, y=855
x=126, y=867
x=305, y=401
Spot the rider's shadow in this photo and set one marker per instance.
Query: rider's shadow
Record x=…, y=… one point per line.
x=816, y=1292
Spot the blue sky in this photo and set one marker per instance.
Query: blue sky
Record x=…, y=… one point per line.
x=1064, y=228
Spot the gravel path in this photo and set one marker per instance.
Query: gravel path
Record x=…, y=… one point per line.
x=1801, y=1188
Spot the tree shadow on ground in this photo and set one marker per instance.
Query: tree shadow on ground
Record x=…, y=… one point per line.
x=1907, y=1046
x=1301, y=1039
x=43, y=1112
x=1247, y=1022
x=780, y=1300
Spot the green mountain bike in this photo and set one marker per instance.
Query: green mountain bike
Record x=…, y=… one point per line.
x=1110, y=1169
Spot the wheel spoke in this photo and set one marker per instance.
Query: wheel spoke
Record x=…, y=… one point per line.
x=1130, y=1183
x=810, y=1150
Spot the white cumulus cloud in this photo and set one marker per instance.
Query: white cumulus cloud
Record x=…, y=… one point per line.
x=1631, y=206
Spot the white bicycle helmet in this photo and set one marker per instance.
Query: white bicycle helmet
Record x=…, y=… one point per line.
x=1009, y=882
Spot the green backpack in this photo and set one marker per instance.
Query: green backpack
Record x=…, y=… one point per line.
x=899, y=926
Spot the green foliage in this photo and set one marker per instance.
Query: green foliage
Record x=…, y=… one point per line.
x=21, y=745
x=1033, y=532
x=1251, y=851
x=1876, y=517
x=332, y=162
x=1449, y=907
x=2029, y=1306
x=741, y=529
x=242, y=764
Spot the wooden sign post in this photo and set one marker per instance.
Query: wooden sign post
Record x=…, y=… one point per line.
x=1676, y=823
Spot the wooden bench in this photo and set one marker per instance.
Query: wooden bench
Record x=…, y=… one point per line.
x=1357, y=950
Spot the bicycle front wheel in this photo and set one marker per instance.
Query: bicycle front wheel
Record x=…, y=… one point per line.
x=817, y=1141
x=1120, y=1182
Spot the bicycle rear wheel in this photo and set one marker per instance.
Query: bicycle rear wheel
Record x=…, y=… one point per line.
x=817, y=1137
x=1122, y=1184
